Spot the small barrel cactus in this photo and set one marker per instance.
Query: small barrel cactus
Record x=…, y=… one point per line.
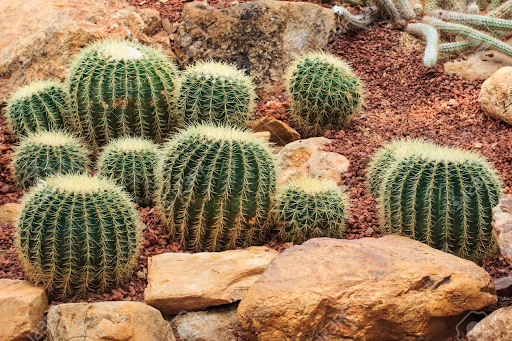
x=311, y=208
x=78, y=234
x=121, y=88
x=443, y=197
x=216, y=186
x=46, y=153
x=131, y=162
x=323, y=92
x=39, y=106
x=215, y=92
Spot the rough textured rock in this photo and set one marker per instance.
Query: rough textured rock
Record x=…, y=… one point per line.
x=478, y=65
x=9, y=212
x=40, y=37
x=22, y=308
x=307, y=157
x=183, y=281
x=261, y=37
x=495, y=327
x=107, y=321
x=502, y=223
x=503, y=286
x=215, y=324
x=389, y=288
x=495, y=94
x=280, y=132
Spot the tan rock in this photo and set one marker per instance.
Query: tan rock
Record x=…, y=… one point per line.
x=502, y=224
x=22, y=308
x=9, y=213
x=478, y=65
x=262, y=37
x=107, y=321
x=280, y=132
x=495, y=94
x=183, y=281
x=389, y=288
x=495, y=327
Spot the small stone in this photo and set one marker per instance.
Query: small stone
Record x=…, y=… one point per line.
x=478, y=145
x=163, y=1
x=167, y=25
x=280, y=132
x=495, y=327
x=9, y=213
x=503, y=286
x=452, y=101
x=502, y=224
x=142, y=3
x=141, y=275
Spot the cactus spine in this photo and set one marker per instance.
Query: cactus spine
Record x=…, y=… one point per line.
x=432, y=38
x=324, y=93
x=38, y=106
x=215, y=92
x=311, y=208
x=44, y=153
x=77, y=234
x=131, y=163
x=121, y=88
x=215, y=187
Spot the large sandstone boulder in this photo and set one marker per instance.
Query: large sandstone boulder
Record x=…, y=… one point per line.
x=107, y=321
x=22, y=308
x=184, y=281
x=495, y=327
x=390, y=288
x=502, y=224
x=40, y=37
x=262, y=37
x=495, y=94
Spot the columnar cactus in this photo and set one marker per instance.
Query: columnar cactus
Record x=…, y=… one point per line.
x=457, y=46
x=311, y=208
x=121, y=88
x=39, y=106
x=46, y=153
x=502, y=11
x=432, y=38
x=216, y=186
x=481, y=21
x=443, y=197
x=324, y=93
x=77, y=234
x=131, y=162
x=473, y=8
x=215, y=92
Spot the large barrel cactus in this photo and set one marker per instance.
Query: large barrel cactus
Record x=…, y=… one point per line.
x=216, y=187
x=324, y=93
x=77, y=234
x=46, y=153
x=121, y=88
x=131, y=162
x=443, y=197
x=311, y=208
x=41, y=105
x=215, y=92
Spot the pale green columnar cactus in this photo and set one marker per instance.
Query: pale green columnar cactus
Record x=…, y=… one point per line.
x=431, y=5
x=457, y=46
x=502, y=11
x=216, y=186
x=418, y=10
x=432, y=41
x=77, y=234
x=351, y=21
x=122, y=88
x=311, y=208
x=46, y=153
x=481, y=21
x=131, y=163
x=39, y=106
x=388, y=8
x=493, y=5
x=215, y=92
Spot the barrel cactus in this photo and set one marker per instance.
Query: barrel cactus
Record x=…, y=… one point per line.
x=121, y=88
x=131, y=163
x=77, y=234
x=443, y=197
x=41, y=105
x=323, y=92
x=215, y=92
x=310, y=208
x=46, y=153
x=216, y=186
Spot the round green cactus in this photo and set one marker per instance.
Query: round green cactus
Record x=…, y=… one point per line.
x=215, y=92
x=216, y=186
x=323, y=92
x=131, y=162
x=78, y=234
x=46, y=153
x=311, y=208
x=443, y=197
x=121, y=88
x=39, y=106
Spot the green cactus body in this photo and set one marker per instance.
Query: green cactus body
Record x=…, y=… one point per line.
x=216, y=187
x=481, y=21
x=43, y=153
x=39, y=106
x=431, y=5
x=121, y=88
x=473, y=8
x=493, y=5
x=432, y=40
x=457, y=46
x=405, y=9
x=131, y=163
x=215, y=92
x=311, y=208
x=442, y=197
x=77, y=234
x=388, y=7
x=418, y=10
x=324, y=93
x=502, y=11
